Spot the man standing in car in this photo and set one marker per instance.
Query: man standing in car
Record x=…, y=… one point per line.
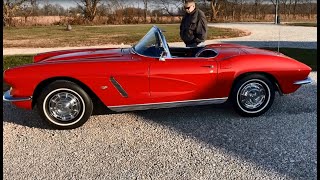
x=193, y=27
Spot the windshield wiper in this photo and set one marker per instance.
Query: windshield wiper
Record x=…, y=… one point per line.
x=132, y=49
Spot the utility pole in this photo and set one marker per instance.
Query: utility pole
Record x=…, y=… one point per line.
x=276, y=16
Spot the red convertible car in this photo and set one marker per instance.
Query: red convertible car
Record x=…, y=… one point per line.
x=64, y=85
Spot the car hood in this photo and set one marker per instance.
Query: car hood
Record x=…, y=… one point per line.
x=81, y=54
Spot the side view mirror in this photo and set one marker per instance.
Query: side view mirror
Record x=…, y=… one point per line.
x=163, y=54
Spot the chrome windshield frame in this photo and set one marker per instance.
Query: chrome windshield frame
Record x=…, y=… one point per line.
x=161, y=38
x=164, y=42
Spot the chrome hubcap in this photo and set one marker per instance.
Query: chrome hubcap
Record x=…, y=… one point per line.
x=252, y=95
x=64, y=106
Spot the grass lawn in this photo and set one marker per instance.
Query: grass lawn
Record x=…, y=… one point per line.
x=307, y=56
x=57, y=36
x=308, y=24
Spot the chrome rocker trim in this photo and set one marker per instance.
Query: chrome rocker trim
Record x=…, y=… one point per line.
x=305, y=81
x=7, y=97
x=168, y=104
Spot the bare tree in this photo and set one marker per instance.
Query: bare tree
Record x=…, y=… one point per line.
x=52, y=9
x=241, y=9
x=89, y=8
x=257, y=6
x=284, y=5
x=10, y=7
x=166, y=5
x=28, y=9
x=145, y=2
x=295, y=8
x=289, y=8
x=309, y=4
x=215, y=8
x=234, y=7
x=276, y=8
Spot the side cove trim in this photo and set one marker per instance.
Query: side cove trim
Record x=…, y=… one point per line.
x=118, y=87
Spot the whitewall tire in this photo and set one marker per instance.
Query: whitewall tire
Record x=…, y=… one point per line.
x=252, y=95
x=64, y=105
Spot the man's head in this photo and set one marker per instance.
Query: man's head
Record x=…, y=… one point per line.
x=189, y=6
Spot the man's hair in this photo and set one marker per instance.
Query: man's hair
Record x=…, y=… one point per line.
x=188, y=1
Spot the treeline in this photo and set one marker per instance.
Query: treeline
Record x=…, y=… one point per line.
x=20, y=12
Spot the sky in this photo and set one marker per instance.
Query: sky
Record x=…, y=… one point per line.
x=72, y=3
x=64, y=3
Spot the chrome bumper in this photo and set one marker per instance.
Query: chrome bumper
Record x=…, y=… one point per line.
x=8, y=97
x=305, y=81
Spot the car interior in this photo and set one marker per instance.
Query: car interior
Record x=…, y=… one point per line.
x=192, y=52
x=181, y=52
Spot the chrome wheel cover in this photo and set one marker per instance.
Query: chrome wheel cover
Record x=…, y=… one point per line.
x=64, y=106
x=252, y=95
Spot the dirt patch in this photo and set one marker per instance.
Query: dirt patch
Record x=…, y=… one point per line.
x=16, y=43
x=243, y=32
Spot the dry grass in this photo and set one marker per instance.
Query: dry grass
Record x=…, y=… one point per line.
x=121, y=19
x=57, y=36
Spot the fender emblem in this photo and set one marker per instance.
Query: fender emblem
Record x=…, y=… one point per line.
x=104, y=87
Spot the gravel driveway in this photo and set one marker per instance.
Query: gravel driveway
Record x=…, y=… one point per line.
x=203, y=142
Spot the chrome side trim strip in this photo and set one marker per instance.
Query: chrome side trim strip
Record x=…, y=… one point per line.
x=8, y=97
x=305, y=81
x=118, y=87
x=168, y=104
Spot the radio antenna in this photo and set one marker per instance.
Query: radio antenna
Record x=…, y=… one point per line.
x=278, y=23
x=279, y=38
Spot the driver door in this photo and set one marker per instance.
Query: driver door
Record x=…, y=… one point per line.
x=182, y=79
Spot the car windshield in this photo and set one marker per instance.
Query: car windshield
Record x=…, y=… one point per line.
x=150, y=44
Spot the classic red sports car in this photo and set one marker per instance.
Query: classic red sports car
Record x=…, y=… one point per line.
x=63, y=85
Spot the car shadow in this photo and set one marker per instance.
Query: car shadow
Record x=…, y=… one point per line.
x=30, y=118
x=272, y=141
x=281, y=140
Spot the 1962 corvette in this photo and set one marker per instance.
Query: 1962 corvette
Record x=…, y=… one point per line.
x=62, y=85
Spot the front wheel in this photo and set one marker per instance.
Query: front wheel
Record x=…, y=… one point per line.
x=64, y=105
x=253, y=95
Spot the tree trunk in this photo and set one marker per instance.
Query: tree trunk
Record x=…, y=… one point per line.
x=145, y=10
x=215, y=7
x=295, y=9
x=310, y=9
x=241, y=11
x=89, y=8
x=9, y=9
x=289, y=9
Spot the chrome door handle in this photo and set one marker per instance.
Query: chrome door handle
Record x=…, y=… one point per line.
x=208, y=66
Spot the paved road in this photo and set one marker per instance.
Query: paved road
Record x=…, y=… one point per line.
x=268, y=35
x=262, y=35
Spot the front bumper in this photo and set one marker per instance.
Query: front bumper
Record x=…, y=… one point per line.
x=7, y=97
x=305, y=81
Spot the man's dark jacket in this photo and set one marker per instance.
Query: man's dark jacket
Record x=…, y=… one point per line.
x=193, y=27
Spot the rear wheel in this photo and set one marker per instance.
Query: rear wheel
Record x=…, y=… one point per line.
x=64, y=105
x=253, y=95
